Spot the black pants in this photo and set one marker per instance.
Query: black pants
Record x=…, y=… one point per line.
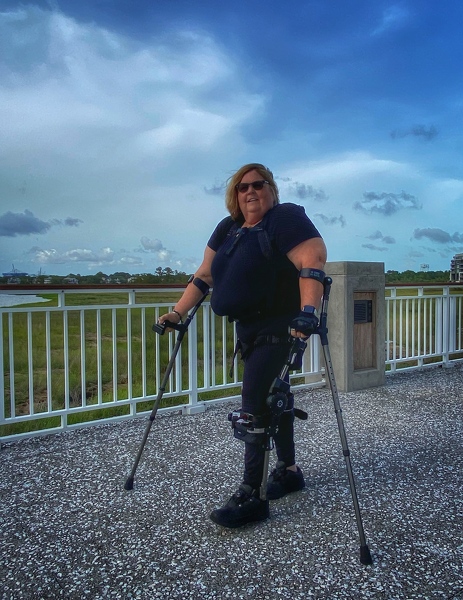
x=262, y=363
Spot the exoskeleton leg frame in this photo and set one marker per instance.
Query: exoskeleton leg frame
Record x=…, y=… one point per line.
x=261, y=429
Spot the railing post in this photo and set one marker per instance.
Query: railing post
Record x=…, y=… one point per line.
x=421, y=320
x=61, y=299
x=446, y=333
x=2, y=375
x=311, y=361
x=193, y=406
x=390, y=344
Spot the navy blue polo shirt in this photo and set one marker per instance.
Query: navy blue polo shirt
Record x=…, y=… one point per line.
x=252, y=276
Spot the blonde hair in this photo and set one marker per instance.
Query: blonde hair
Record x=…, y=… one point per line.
x=231, y=193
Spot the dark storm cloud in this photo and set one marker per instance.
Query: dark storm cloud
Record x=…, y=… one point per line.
x=14, y=224
x=67, y=222
x=438, y=235
x=152, y=245
x=307, y=192
x=72, y=222
x=421, y=131
x=26, y=223
x=373, y=247
x=216, y=190
x=387, y=239
x=386, y=203
x=157, y=247
x=331, y=220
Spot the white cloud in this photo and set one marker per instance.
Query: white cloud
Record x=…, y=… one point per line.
x=392, y=18
x=113, y=131
x=89, y=80
x=129, y=137
x=348, y=166
x=81, y=255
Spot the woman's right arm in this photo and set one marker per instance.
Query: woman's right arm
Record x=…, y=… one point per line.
x=192, y=294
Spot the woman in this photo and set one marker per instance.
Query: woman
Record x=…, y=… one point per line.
x=265, y=264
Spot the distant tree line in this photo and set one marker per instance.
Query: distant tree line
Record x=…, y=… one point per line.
x=166, y=275
x=161, y=275
x=418, y=277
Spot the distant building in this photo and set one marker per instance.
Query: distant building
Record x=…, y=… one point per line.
x=14, y=273
x=456, y=268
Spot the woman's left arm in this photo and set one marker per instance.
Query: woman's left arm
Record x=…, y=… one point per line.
x=309, y=254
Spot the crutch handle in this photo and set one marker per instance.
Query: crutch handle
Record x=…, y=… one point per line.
x=160, y=328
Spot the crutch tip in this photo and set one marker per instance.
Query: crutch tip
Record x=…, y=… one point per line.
x=129, y=483
x=365, y=556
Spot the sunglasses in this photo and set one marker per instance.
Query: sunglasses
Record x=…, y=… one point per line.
x=257, y=185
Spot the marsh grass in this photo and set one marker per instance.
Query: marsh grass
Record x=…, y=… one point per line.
x=37, y=380
x=412, y=309
x=88, y=357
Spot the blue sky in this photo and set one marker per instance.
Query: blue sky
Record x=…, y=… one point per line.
x=121, y=122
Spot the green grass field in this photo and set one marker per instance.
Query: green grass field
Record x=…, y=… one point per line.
x=96, y=358
x=92, y=355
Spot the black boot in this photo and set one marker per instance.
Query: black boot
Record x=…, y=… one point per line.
x=244, y=506
x=282, y=481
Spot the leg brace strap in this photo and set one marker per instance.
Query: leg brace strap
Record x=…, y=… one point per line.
x=249, y=428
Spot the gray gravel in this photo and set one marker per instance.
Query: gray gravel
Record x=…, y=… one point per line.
x=70, y=530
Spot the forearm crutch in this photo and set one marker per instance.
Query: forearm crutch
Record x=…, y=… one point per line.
x=365, y=556
x=160, y=328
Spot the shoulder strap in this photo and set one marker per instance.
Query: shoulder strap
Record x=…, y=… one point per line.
x=265, y=243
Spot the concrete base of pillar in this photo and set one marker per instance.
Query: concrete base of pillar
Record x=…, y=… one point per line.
x=193, y=410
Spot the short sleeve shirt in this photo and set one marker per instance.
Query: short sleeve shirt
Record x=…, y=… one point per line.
x=252, y=276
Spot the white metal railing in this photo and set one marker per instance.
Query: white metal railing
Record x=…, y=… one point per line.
x=65, y=364
x=89, y=355
x=424, y=326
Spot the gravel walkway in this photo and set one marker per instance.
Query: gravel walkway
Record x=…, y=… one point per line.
x=70, y=530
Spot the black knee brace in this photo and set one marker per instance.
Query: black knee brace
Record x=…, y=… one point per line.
x=252, y=429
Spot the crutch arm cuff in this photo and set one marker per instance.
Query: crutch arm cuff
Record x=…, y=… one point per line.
x=200, y=284
x=308, y=273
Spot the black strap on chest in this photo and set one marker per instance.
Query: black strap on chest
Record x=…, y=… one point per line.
x=265, y=242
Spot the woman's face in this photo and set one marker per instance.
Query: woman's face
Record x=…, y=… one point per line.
x=255, y=203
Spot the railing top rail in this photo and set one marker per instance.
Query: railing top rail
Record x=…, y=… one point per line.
x=33, y=287
x=426, y=284
x=76, y=288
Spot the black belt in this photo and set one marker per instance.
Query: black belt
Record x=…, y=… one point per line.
x=261, y=340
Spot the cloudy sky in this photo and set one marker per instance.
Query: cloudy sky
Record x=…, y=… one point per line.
x=120, y=122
